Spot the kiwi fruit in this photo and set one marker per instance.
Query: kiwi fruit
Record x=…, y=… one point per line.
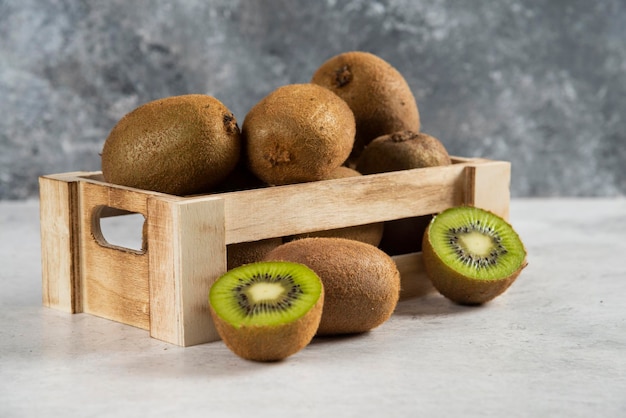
x=368, y=233
x=342, y=172
x=402, y=150
x=297, y=133
x=249, y=252
x=377, y=93
x=472, y=255
x=178, y=145
x=361, y=282
x=267, y=311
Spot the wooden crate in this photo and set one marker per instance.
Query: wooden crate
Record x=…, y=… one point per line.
x=164, y=287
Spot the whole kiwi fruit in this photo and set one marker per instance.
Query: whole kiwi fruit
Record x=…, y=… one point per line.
x=403, y=150
x=298, y=133
x=377, y=93
x=472, y=255
x=368, y=233
x=267, y=311
x=361, y=282
x=178, y=145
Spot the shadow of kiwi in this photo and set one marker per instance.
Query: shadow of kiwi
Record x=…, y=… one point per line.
x=334, y=339
x=433, y=304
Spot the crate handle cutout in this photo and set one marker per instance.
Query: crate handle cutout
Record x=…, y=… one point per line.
x=119, y=229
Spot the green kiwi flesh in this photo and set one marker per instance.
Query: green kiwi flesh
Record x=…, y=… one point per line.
x=267, y=311
x=472, y=255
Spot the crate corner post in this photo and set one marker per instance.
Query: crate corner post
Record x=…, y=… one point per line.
x=59, y=232
x=187, y=253
x=488, y=186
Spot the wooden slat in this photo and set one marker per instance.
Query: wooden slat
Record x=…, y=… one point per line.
x=287, y=210
x=59, y=246
x=187, y=254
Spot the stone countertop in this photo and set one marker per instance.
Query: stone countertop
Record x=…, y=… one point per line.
x=553, y=345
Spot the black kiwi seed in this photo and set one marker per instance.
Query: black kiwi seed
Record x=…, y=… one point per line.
x=290, y=294
x=470, y=259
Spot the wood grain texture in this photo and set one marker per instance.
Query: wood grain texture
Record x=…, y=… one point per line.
x=488, y=186
x=114, y=280
x=164, y=287
x=187, y=254
x=330, y=204
x=59, y=247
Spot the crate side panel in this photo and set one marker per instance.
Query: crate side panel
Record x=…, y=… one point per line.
x=115, y=285
x=114, y=280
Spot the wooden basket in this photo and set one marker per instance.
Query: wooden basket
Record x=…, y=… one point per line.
x=164, y=287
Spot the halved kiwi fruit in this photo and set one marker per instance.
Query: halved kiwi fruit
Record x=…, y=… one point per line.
x=267, y=311
x=472, y=255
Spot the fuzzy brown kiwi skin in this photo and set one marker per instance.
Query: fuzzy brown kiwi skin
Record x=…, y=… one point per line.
x=368, y=233
x=361, y=282
x=457, y=287
x=178, y=145
x=377, y=93
x=298, y=133
x=402, y=150
x=270, y=343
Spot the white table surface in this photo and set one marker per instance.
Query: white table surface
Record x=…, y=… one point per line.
x=554, y=345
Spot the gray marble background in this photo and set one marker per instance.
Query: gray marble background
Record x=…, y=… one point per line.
x=539, y=83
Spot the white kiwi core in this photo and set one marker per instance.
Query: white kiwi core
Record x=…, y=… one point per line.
x=476, y=243
x=259, y=292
